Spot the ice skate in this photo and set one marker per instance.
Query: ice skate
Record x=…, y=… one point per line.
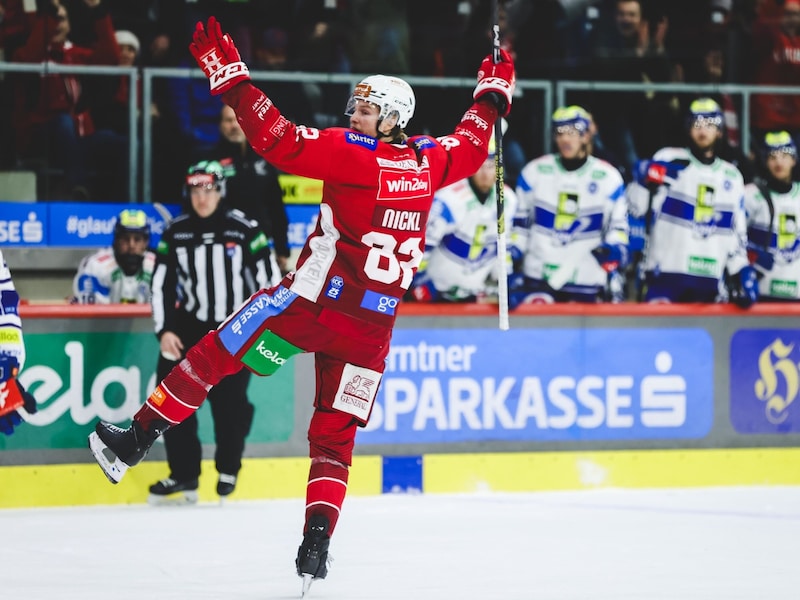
x=171, y=492
x=115, y=449
x=312, y=555
x=225, y=485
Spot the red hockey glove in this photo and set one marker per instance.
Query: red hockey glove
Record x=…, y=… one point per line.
x=12, y=395
x=217, y=55
x=496, y=82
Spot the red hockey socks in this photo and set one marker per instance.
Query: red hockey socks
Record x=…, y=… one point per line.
x=327, y=486
x=186, y=386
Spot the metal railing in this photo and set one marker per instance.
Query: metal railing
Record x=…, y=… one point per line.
x=149, y=74
x=349, y=79
x=132, y=73
x=562, y=88
x=554, y=94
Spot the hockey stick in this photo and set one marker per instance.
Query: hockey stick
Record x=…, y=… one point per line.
x=502, y=279
x=163, y=212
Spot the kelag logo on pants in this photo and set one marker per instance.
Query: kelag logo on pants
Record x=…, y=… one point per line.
x=765, y=381
x=544, y=385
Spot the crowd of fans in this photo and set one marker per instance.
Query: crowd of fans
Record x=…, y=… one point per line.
x=76, y=126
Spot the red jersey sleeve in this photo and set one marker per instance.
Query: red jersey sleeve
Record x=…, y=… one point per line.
x=288, y=147
x=460, y=154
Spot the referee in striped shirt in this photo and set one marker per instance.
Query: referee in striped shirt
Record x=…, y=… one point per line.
x=208, y=262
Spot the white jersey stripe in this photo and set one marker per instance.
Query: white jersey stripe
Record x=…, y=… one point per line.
x=313, y=274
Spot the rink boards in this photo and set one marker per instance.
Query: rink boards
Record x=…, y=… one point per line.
x=270, y=478
x=569, y=398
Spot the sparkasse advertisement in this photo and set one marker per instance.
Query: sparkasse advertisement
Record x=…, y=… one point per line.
x=544, y=385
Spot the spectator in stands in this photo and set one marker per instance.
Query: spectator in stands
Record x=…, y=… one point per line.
x=12, y=356
x=379, y=36
x=170, y=154
x=318, y=38
x=537, y=34
x=196, y=112
x=777, y=49
x=693, y=205
x=109, y=104
x=772, y=204
x=143, y=17
x=630, y=47
x=49, y=114
x=252, y=185
x=121, y=273
x=439, y=37
x=570, y=232
x=460, y=261
x=14, y=26
x=14, y=30
x=293, y=97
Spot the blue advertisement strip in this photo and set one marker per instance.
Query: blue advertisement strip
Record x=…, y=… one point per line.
x=401, y=474
x=70, y=224
x=82, y=224
x=91, y=225
x=23, y=224
x=302, y=221
x=765, y=381
x=544, y=385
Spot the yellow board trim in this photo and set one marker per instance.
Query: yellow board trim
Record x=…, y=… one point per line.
x=536, y=471
x=267, y=478
x=85, y=484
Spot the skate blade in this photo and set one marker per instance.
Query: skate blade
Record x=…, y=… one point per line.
x=307, y=581
x=184, y=498
x=112, y=466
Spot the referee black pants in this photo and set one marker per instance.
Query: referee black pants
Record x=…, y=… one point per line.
x=232, y=414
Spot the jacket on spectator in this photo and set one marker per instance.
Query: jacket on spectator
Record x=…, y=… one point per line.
x=40, y=98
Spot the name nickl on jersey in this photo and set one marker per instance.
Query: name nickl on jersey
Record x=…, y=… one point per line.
x=400, y=220
x=399, y=186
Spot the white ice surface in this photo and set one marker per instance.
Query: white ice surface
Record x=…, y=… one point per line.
x=702, y=544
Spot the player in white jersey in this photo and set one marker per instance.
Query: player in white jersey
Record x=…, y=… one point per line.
x=773, y=218
x=13, y=396
x=460, y=260
x=570, y=232
x=121, y=273
x=693, y=204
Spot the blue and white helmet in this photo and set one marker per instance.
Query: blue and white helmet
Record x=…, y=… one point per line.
x=571, y=117
x=132, y=220
x=392, y=95
x=704, y=111
x=778, y=141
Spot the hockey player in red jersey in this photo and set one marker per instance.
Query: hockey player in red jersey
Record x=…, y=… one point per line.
x=341, y=302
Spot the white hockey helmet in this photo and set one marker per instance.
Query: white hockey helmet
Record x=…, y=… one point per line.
x=392, y=95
